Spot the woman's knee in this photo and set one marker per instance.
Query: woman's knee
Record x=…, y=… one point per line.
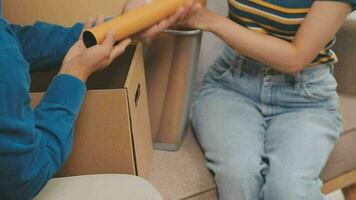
x=238, y=180
x=288, y=184
x=238, y=174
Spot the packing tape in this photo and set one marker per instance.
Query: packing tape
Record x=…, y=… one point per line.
x=134, y=21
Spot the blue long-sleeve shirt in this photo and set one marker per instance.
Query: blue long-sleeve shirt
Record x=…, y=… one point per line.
x=34, y=143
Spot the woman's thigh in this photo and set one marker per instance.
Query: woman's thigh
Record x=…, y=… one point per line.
x=228, y=126
x=297, y=146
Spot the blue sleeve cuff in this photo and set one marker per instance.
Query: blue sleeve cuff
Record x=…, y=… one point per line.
x=67, y=91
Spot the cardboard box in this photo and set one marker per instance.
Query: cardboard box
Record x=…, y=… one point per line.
x=171, y=60
x=112, y=133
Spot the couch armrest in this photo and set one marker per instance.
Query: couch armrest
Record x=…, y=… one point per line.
x=345, y=48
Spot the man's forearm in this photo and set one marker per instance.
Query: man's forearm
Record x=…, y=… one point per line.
x=45, y=45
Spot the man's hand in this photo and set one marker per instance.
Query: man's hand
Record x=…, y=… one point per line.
x=180, y=15
x=81, y=62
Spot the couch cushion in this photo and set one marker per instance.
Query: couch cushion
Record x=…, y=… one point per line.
x=348, y=111
x=342, y=159
x=93, y=187
x=345, y=69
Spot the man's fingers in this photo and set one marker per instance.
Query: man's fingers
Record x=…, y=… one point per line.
x=110, y=39
x=88, y=24
x=100, y=20
x=119, y=49
x=103, y=51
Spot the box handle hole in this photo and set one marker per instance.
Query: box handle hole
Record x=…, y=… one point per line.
x=137, y=94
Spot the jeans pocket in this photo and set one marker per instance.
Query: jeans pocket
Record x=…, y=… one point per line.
x=223, y=67
x=223, y=73
x=320, y=88
x=220, y=69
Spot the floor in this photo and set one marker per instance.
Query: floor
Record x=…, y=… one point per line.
x=182, y=175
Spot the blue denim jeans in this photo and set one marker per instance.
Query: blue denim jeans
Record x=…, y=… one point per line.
x=266, y=136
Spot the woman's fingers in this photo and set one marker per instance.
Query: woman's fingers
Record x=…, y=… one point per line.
x=164, y=24
x=196, y=7
x=187, y=8
x=193, y=10
x=181, y=14
x=175, y=18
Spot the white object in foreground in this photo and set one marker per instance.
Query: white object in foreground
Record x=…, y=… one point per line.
x=94, y=187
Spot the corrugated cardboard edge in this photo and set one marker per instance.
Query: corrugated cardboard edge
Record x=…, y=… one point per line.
x=139, y=114
x=96, y=151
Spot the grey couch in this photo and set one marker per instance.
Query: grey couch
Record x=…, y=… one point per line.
x=340, y=171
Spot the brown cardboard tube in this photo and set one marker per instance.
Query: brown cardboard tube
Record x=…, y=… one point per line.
x=134, y=21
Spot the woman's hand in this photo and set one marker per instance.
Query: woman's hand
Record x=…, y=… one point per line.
x=199, y=18
x=81, y=62
x=181, y=14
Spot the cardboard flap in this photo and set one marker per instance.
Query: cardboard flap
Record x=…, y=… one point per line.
x=115, y=75
x=102, y=136
x=112, y=77
x=104, y=125
x=140, y=120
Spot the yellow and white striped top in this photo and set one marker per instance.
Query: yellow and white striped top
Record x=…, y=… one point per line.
x=279, y=18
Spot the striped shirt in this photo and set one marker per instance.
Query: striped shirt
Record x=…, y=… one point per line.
x=279, y=18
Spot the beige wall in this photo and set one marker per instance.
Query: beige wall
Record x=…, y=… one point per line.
x=65, y=12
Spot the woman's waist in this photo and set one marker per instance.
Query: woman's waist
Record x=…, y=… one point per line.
x=256, y=68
